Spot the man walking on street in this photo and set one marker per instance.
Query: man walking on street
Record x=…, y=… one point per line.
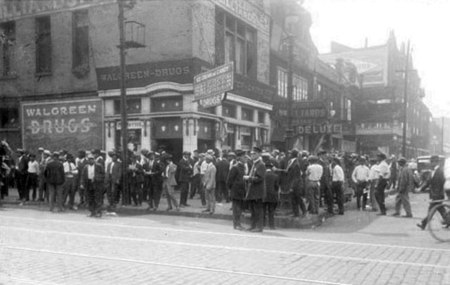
x=54, y=176
x=436, y=184
x=405, y=184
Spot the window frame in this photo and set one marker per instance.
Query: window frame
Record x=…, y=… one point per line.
x=80, y=54
x=43, y=33
x=7, y=49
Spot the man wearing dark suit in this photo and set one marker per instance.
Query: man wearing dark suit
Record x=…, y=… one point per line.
x=55, y=178
x=325, y=182
x=156, y=175
x=113, y=180
x=436, y=184
x=21, y=174
x=223, y=167
x=295, y=183
x=271, y=181
x=256, y=190
x=184, y=177
x=92, y=179
x=80, y=163
x=236, y=184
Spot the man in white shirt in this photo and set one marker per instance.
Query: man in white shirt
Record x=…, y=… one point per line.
x=313, y=175
x=70, y=171
x=32, y=180
x=360, y=177
x=337, y=182
x=384, y=176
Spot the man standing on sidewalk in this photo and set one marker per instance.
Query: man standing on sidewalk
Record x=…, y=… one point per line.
x=113, y=181
x=235, y=182
x=55, y=178
x=337, y=182
x=184, y=172
x=436, y=184
x=92, y=182
x=385, y=174
x=360, y=177
x=313, y=175
x=405, y=184
x=256, y=191
x=209, y=184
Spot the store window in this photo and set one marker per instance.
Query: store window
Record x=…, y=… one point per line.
x=43, y=45
x=7, y=41
x=300, y=88
x=9, y=118
x=133, y=106
x=80, y=41
x=282, y=79
x=261, y=117
x=247, y=114
x=236, y=42
x=167, y=104
x=229, y=110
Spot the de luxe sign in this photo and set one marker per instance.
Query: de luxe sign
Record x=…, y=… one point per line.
x=321, y=129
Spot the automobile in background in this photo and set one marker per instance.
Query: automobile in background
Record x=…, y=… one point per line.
x=424, y=170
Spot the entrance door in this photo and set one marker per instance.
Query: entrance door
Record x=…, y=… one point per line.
x=171, y=146
x=134, y=137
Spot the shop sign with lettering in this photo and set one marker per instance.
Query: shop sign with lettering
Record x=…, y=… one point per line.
x=141, y=75
x=212, y=83
x=131, y=125
x=55, y=125
x=253, y=89
x=320, y=129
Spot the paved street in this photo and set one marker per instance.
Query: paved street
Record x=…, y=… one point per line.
x=38, y=247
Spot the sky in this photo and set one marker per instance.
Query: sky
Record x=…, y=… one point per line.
x=425, y=23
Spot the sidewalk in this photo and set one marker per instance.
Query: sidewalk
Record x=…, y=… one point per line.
x=222, y=211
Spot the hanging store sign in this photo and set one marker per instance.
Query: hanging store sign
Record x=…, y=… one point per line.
x=210, y=86
x=69, y=125
x=130, y=125
x=321, y=129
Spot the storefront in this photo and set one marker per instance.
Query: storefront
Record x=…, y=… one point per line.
x=162, y=113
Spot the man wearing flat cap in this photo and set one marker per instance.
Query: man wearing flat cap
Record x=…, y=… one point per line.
x=256, y=190
x=236, y=184
x=55, y=178
x=113, y=181
x=436, y=184
x=184, y=173
x=92, y=181
x=385, y=174
x=405, y=184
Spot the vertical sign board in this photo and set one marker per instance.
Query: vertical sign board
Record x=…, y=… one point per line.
x=210, y=86
x=71, y=125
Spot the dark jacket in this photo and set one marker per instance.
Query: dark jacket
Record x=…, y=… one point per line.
x=22, y=164
x=294, y=177
x=256, y=189
x=272, y=185
x=405, y=180
x=136, y=175
x=436, y=184
x=223, y=167
x=54, y=173
x=157, y=171
x=235, y=182
x=184, y=170
x=99, y=174
x=116, y=173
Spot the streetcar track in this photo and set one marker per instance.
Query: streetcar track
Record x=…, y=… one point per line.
x=231, y=234
x=199, y=268
x=268, y=251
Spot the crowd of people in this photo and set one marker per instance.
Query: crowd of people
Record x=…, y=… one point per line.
x=254, y=181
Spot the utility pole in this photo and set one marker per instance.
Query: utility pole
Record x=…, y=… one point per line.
x=123, y=105
x=290, y=90
x=405, y=101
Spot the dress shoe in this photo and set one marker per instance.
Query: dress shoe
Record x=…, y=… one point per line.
x=395, y=214
x=211, y=212
x=168, y=209
x=186, y=205
x=272, y=228
x=256, y=230
x=381, y=214
x=421, y=226
x=239, y=228
x=407, y=216
x=340, y=213
x=205, y=211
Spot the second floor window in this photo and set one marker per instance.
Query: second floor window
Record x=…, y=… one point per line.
x=43, y=45
x=300, y=91
x=282, y=79
x=239, y=44
x=80, y=44
x=7, y=41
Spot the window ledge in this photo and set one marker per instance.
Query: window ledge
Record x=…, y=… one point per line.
x=8, y=77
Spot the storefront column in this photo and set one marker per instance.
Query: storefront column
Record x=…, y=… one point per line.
x=256, y=131
x=190, y=134
x=218, y=132
x=146, y=137
x=237, y=137
x=110, y=135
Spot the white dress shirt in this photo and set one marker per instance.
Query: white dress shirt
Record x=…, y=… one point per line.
x=314, y=172
x=361, y=174
x=337, y=174
x=91, y=171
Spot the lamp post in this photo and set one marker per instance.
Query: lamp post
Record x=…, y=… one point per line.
x=405, y=101
x=291, y=21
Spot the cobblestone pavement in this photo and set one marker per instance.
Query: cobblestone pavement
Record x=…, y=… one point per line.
x=38, y=247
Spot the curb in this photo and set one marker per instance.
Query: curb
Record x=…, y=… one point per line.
x=286, y=222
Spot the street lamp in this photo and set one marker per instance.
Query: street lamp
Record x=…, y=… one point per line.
x=291, y=23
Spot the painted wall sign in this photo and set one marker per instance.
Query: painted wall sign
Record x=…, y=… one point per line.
x=319, y=129
x=253, y=89
x=141, y=75
x=56, y=125
x=13, y=9
x=214, y=82
x=248, y=12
